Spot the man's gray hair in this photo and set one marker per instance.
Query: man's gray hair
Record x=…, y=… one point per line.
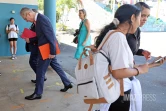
x=24, y=10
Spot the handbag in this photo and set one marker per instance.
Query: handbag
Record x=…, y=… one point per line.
x=94, y=72
x=75, y=40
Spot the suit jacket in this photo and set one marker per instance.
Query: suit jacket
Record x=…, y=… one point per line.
x=32, y=40
x=45, y=33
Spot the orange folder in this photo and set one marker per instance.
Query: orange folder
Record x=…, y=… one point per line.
x=45, y=50
x=27, y=33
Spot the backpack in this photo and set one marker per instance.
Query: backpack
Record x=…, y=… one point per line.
x=94, y=78
x=9, y=26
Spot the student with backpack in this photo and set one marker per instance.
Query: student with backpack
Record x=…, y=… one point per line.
x=12, y=30
x=126, y=20
x=134, y=39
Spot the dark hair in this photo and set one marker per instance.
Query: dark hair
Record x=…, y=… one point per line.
x=11, y=18
x=142, y=5
x=123, y=14
x=35, y=10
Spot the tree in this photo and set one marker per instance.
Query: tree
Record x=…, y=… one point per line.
x=41, y=4
x=62, y=5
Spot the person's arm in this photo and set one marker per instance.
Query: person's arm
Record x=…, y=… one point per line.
x=153, y=64
x=48, y=32
x=87, y=24
x=139, y=52
x=17, y=30
x=134, y=42
x=129, y=72
x=121, y=59
x=7, y=29
x=33, y=40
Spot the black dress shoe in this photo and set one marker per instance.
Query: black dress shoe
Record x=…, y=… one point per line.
x=66, y=88
x=33, y=97
x=34, y=81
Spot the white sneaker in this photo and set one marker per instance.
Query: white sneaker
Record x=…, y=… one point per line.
x=15, y=57
x=12, y=57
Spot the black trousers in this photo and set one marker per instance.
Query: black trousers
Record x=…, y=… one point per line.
x=122, y=103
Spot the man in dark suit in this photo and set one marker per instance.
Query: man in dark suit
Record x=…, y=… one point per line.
x=32, y=47
x=45, y=34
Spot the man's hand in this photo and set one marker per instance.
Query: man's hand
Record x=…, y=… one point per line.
x=27, y=40
x=51, y=56
x=146, y=54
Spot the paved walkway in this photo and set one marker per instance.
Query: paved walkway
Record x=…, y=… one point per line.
x=15, y=85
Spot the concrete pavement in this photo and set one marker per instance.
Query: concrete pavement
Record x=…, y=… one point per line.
x=15, y=85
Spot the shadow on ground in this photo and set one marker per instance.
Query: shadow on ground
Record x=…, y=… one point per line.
x=66, y=58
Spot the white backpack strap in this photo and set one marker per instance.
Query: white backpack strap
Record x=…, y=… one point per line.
x=100, y=46
x=93, y=47
x=106, y=38
x=90, y=57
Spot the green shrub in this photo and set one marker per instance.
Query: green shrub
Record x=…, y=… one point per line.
x=60, y=26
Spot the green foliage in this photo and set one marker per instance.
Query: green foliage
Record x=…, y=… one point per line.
x=41, y=4
x=61, y=26
x=61, y=5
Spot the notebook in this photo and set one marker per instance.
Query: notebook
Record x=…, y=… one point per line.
x=45, y=50
x=27, y=33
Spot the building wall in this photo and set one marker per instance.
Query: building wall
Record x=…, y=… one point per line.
x=6, y=12
x=29, y=2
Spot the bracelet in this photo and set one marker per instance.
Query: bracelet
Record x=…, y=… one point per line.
x=137, y=71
